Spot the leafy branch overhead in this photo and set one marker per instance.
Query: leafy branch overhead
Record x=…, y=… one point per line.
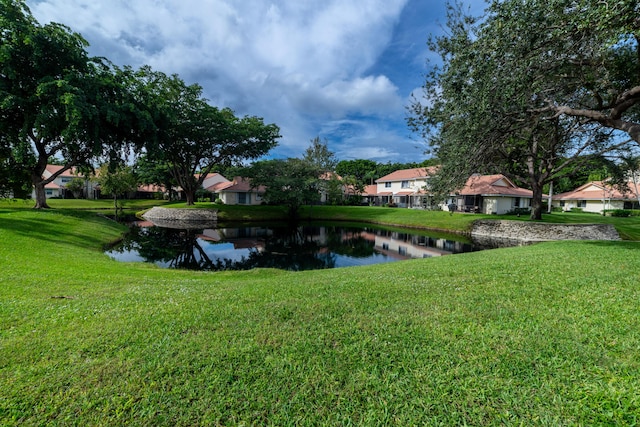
x=534, y=89
x=56, y=102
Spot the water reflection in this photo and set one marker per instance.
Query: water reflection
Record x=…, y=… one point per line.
x=290, y=248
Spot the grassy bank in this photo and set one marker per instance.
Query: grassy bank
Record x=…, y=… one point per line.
x=539, y=335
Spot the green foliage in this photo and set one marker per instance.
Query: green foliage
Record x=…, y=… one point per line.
x=192, y=137
x=76, y=185
x=319, y=155
x=620, y=213
x=291, y=182
x=116, y=181
x=55, y=100
x=532, y=90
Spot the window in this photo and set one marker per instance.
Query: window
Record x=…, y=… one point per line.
x=387, y=185
x=243, y=199
x=402, y=250
x=405, y=184
x=516, y=202
x=385, y=246
x=65, y=180
x=582, y=203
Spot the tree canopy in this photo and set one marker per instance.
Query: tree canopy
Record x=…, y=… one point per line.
x=56, y=101
x=533, y=90
x=193, y=137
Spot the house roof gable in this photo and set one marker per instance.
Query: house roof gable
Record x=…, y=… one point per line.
x=493, y=185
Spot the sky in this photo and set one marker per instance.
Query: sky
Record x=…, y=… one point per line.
x=340, y=70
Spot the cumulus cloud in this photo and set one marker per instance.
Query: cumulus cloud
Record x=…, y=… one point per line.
x=299, y=64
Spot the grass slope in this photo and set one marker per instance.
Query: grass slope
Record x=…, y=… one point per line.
x=544, y=335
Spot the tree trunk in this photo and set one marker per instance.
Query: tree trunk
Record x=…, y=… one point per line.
x=190, y=194
x=41, y=196
x=536, y=202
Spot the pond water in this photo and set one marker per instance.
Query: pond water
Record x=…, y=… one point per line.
x=304, y=247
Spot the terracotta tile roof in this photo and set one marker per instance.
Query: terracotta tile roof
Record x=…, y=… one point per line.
x=407, y=174
x=596, y=190
x=55, y=168
x=219, y=186
x=240, y=185
x=493, y=185
x=52, y=186
x=370, y=190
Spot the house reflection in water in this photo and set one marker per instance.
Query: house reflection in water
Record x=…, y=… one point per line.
x=298, y=248
x=394, y=244
x=406, y=246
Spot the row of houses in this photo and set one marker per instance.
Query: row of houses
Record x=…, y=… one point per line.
x=406, y=188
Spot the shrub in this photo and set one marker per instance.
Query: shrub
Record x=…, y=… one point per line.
x=519, y=211
x=619, y=213
x=577, y=210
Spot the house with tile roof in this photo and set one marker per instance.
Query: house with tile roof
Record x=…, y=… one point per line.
x=491, y=194
x=406, y=188
x=598, y=196
x=239, y=192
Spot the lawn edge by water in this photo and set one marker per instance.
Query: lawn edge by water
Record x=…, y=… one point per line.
x=545, y=334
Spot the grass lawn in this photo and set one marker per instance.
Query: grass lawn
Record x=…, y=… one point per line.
x=539, y=335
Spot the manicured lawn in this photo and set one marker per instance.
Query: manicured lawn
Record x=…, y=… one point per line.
x=84, y=204
x=539, y=335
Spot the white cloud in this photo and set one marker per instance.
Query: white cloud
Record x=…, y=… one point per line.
x=298, y=64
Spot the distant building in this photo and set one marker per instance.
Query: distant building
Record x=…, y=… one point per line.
x=597, y=196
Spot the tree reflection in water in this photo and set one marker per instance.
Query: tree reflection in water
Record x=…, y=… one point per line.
x=289, y=248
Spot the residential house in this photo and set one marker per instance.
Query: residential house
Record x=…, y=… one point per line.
x=57, y=187
x=239, y=192
x=214, y=181
x=491, y=194
x=406, y=188
x=597, y=196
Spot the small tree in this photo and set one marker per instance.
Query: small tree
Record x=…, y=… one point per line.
x=76, y=186
x=290, y=182
x=117, y=181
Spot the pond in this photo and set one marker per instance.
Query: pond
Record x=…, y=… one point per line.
x=304, y=247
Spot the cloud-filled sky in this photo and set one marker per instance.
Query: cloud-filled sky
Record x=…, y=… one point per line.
x=342, y=70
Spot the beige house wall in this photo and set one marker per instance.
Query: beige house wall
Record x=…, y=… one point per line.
x=232, y=198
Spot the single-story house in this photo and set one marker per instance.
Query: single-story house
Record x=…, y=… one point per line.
x=405, y=188
x=490, y=194
x=239, y=192
x=598, y=196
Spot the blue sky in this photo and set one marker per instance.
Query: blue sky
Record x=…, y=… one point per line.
x=343, y=70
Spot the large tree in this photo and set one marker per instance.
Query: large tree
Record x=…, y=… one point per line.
x=193, y=137
x=532, y=90
x=56, y=101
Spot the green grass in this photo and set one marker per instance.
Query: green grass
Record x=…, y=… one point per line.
x=538, y=335
x=84, y=204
